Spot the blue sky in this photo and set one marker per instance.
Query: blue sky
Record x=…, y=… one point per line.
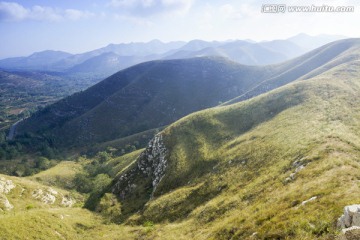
x=77, y=25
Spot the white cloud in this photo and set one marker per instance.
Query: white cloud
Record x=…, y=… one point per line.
x=12, y=12
x=74, y=14
x=144, y=8
x=40, y=13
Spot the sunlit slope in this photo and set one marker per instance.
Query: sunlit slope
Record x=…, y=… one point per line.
x=279, y=166
x=30, y=210
x=307, y=66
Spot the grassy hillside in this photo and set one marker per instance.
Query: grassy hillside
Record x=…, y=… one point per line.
x=31, y=217
x=279, y=166
x=62, y=175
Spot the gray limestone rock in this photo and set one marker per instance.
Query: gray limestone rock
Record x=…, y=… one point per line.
x=150, y=164
x=351, y=217
x=6, y=185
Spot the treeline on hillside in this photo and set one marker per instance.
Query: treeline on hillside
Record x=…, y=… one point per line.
x=30, y=154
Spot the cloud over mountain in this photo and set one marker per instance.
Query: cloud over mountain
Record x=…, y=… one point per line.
x=13, y=12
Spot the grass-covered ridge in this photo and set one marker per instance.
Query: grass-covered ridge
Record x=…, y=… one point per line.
x=245, y=170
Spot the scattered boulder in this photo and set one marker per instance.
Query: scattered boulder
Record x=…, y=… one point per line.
x=309, y=200
x=48, y=196
x=4, y=203
x=6, y=185
x=349, y=222
x=351, y=217
x=52, y=191
x=67, y=201
x=298, y=165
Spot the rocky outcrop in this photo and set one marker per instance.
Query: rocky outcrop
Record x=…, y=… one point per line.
x=49, y=196
x=151, y=165
x=6, y=185
x=4, y=203
x=67, y=201
x=5, y=188
x=349, y=222
x=351, y=217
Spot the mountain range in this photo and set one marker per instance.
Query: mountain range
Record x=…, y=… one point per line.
x=105, y=61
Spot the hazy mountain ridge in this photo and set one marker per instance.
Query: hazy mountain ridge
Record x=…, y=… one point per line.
x=242, y=51
x=36, y=61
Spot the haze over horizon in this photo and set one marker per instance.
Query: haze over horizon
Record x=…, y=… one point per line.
x=76, y=27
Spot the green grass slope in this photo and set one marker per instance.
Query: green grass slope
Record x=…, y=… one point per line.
x=279, y=166
x=31, y=217
x=62, y=175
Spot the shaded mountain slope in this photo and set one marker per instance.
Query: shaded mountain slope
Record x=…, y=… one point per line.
x=143, y=97
x=279, y=166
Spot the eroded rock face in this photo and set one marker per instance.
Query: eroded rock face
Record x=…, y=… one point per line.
x=6, y=185
x=151, y=164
